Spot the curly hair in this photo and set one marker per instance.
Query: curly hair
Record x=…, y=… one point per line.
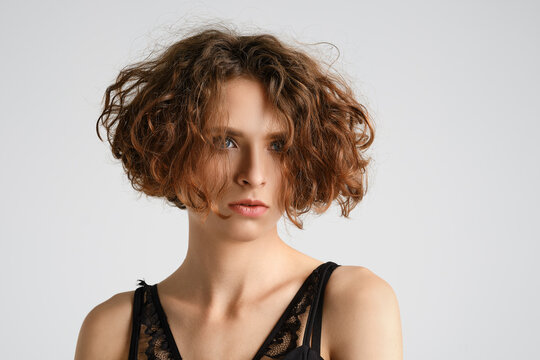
x=157, y=113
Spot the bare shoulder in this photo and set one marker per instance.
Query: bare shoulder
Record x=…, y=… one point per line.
x=106, y=331
x=363, y=317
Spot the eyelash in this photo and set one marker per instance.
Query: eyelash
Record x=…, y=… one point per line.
x=229, y=138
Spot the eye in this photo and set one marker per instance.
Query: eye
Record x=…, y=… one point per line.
x=220, y=144
x=280, y=145
x=228, y=138
x=223, y=144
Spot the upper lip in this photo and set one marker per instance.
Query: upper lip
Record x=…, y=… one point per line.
x=248, y=202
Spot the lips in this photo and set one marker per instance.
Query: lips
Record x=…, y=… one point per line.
x=249, y=202
x=248, y=210
x=249, y=207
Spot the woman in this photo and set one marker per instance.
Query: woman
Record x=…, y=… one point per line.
x=239, y=130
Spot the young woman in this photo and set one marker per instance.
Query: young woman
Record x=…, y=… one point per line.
x=239, y=130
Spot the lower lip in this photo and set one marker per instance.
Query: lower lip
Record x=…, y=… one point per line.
x=250, y=211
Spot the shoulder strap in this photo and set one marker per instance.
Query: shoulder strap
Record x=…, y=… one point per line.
x=314, y=322
x=136, y=322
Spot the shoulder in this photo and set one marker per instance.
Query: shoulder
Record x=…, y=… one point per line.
x=363, y=316
x=108, y=320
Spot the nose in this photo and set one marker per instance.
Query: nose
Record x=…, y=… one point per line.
x=252, y=168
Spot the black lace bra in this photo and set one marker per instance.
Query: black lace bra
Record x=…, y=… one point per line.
x=151, y=337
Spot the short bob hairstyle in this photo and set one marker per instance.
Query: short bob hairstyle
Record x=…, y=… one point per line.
x=157, y=115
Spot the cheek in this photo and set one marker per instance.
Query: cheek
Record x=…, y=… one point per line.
x=215, y=168
x=277, y=181
x=215, y=173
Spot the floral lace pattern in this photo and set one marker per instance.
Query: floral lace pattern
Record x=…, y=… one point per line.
x=292, y=329
x=153, y=344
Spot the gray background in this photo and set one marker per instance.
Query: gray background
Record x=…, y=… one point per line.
x=449, y=219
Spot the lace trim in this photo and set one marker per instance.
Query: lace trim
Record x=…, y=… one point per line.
x=286, y=338
x=153, y=343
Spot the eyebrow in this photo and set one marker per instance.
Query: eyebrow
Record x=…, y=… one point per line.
x=236, y=132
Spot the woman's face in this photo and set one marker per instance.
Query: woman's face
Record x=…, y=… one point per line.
x=251, y=151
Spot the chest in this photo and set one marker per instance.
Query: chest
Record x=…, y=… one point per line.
x=168, y=331
x=239, y=339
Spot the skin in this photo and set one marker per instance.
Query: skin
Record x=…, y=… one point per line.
x=238, y=275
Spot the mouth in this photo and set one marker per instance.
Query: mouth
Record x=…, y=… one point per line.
x=248, y=210
x=249, y=202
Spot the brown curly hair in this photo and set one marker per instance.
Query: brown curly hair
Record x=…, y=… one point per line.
x=157, y=113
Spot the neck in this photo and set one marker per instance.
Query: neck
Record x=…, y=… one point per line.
x=223, y=271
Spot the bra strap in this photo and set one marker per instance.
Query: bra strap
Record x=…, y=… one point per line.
x=136, y=318
x=314, y=323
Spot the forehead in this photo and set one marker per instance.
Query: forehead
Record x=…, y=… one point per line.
x=245, y=106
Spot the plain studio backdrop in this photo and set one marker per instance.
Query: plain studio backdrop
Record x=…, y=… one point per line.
x=449, y=219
